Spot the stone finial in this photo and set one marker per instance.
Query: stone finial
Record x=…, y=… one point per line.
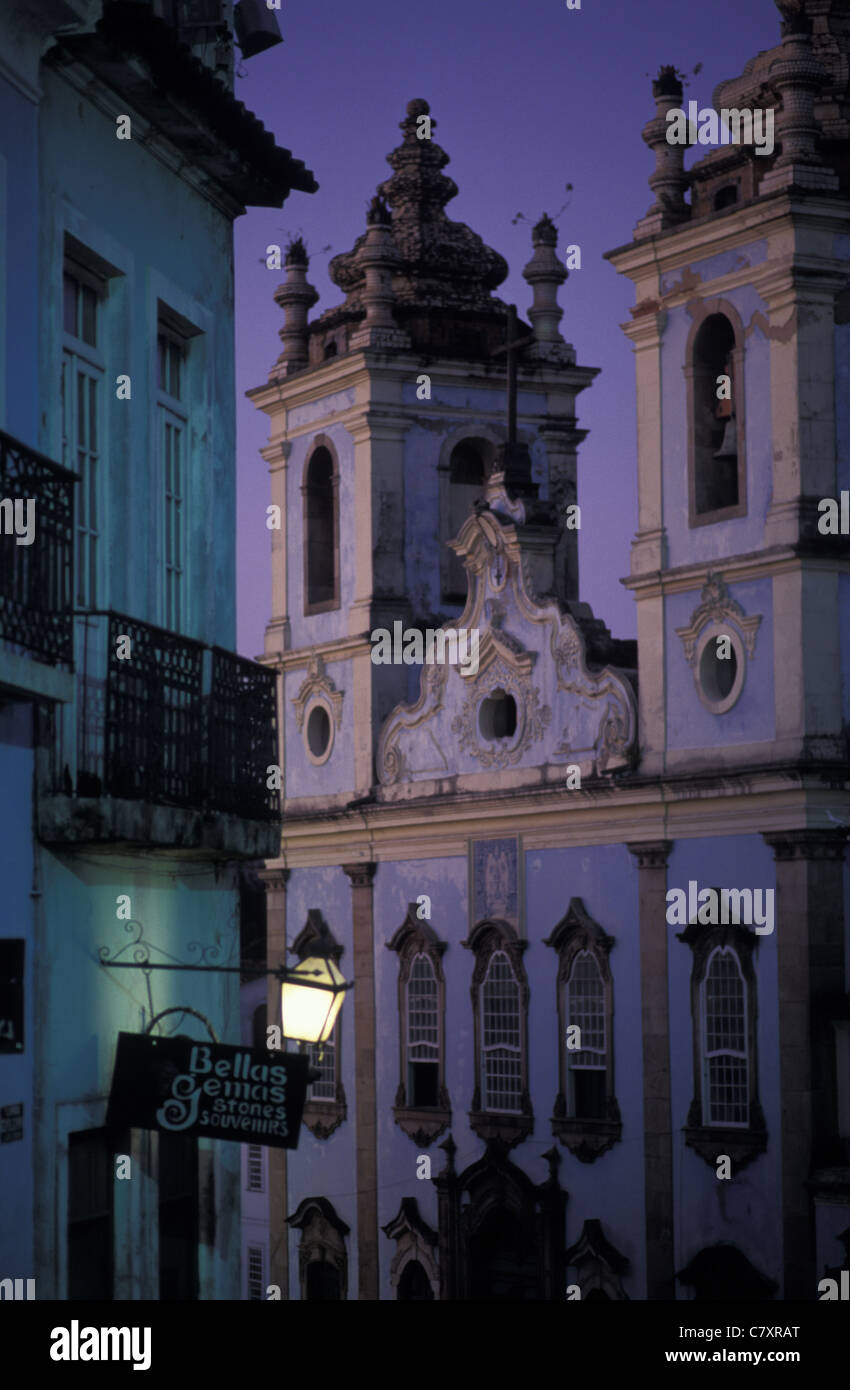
x=668, y=180
x=377, y=258
x=545, y=273
x=794, y=17
x=444, y=264
x=797, y=76
x=295, y=298
x=379, y=214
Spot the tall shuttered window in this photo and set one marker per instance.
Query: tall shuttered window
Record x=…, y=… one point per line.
x=172, y=429
x=82, y=419
x=725, y=1061
x=588, y=1064
x=501, y=1040
x=256, y=1272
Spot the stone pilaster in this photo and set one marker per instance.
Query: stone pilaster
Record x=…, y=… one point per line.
x=655, y=1030
x=277, y=636
x=809, y=927
x=361, y=876
x=275, y=879
x=561, y=438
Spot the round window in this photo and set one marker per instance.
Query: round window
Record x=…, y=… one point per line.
x=319, y=733
x=720, y=670
x=497, y=715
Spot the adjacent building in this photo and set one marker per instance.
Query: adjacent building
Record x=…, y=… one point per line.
x=560, y=1068
x=134, y=742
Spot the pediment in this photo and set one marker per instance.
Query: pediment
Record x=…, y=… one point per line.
x=531, y=654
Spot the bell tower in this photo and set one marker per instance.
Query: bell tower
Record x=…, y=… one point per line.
x=390, y=415
x=739, y=334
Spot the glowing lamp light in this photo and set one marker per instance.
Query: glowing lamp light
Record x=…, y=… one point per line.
x=311, y=995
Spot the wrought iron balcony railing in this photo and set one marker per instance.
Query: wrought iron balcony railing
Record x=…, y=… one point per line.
x=166, y=720
x=36, y=578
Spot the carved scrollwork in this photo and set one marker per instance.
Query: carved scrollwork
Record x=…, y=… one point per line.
x=532, y=719
x=317, y=682
x=719, y=607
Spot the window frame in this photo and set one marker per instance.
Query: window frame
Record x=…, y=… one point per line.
x=80, y=358
x=707, y=1055
x=253, y=1249
x=487, y=939
x=413, y=939
x=255, y=1154
x=742, y=1142
x=705, y=309
x=575, y=935
x=172, y=413
x=320, y=441
x=323, y=1239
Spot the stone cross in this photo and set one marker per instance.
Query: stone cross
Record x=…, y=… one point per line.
x=511, y=345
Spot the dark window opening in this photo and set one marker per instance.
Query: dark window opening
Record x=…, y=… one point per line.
x=179, y=1217
x=258, y=1027
x=714, y=424
x=321, y=529
x=91, y=1184
x=330, y=349
x=497, y=715
x=424, y=1084
x=717, y=675
x=725, y=196
x=413, y=1286
x=589, y=1091
x=318, y=731
x=467, y=474
x=323, y=1282
x=503, y=1264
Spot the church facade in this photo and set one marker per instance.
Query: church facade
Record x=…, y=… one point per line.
x=592, y=892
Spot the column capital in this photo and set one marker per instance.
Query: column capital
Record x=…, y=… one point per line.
x=361, y=874
x=650, y=854
x=807, y=844
x=274, y=877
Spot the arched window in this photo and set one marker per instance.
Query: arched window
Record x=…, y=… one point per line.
x=422, y=1107
x=725, y=1115
x=322, y=1257
x=501, y=1046
x=725, y=197
x=468, y=467
x=321, y=531
x=423, y=1034
x=586, y=1116
x=414, y=1286
x=587, y=1065
x=725, y=1060
x=717, y=479
x=501, y=1104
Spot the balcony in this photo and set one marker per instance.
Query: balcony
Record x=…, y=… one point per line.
x=166, y=745
x=36, y=579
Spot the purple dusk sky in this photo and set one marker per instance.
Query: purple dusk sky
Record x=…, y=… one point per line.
x=526, y=96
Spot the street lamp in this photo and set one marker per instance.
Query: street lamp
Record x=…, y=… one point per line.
x=311, y=993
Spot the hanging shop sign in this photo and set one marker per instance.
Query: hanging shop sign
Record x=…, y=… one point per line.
x=208, y=1089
